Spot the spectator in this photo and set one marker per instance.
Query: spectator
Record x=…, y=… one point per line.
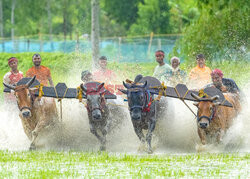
x=162, y=68
x=103, y=74
x=11, y=78
x=176, y=75
x=199, y=76
x=42, y=73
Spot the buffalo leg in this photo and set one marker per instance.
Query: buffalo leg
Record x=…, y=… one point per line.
x=202, y=135
x=149, y=134
x=41, y=125
x=220, y=135
x=34, y=137
x=139, y=133
x=100, y=138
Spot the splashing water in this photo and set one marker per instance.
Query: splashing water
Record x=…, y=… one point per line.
x=177, y=129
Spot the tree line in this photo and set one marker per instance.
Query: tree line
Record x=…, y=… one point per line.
x=73, y=17
x=210, y=26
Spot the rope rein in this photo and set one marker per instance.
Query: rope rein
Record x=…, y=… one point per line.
x=182, y=99
x=60, y=100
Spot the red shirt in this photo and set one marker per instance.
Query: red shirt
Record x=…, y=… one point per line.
x=12, y=78
x=106, y=76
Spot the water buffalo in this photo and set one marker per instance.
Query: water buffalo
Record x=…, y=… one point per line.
x=213, y=119
x=144, y=109
x=98, y=111
x=36, y=115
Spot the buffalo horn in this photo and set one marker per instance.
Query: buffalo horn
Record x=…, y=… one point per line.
x=31, y=81
x=145, y=84
x=9, y=86
x=83, y=88
x=125, y=85
x=195, y=96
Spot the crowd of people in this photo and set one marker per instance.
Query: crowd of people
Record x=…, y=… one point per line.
x=199, y=77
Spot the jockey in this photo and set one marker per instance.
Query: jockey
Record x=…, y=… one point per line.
x=12, y=77
x=223, y=84
x=200, y=75
x=42, y=73
x=86, y=76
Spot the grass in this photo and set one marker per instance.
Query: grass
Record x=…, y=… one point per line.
x=78, y=164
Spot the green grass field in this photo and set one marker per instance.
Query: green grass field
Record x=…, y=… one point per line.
x=79, y=164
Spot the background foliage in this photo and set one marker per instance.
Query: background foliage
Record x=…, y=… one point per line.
x=219, y=29
x=221, y=32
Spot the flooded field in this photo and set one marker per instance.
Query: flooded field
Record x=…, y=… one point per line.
x=73, y=151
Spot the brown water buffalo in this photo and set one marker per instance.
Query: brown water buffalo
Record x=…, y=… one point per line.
x=213, y=119
x=36, y=115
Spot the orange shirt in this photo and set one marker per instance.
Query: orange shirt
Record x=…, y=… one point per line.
x=199, y=77
x=42, y=74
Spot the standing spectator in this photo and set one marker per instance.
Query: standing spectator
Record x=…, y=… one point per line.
x=162, y=68
x=103, y=74
x=199, y=76
x=176, y=75
x=42, y=73
x=12, y=77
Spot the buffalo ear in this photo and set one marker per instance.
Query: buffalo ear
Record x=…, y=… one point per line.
x=123, y=91
x=196, y=104
x=217, y=103
x=33, y=90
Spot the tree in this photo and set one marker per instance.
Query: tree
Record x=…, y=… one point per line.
x=95, y=31
x=50, y=23
x=221, y=32
x=2, y=25
x=1, y=18
x=13, y=5
x=153, y=17
x=182, y=14
x=123, y=12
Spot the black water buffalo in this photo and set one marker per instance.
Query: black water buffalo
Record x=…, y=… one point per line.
x=98, y=111
x=143, y=107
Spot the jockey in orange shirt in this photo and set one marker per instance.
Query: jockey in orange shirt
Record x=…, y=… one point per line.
x=199, y=76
